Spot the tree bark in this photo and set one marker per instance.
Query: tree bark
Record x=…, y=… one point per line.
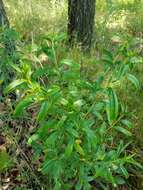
x=81, y=22
x=3, y=17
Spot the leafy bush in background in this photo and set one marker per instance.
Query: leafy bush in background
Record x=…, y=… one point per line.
x=8, y=55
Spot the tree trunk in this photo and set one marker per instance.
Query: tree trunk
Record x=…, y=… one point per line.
x=3, y=16
x=81, y=22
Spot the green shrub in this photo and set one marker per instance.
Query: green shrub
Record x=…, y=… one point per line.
x=79, y=121
x=8, y=55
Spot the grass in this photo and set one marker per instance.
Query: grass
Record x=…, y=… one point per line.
x=34, y=17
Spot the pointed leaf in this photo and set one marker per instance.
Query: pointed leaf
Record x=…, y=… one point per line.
x=127, y=123
x=13, y=85
x=22, y=105
x=78, y=148
x=134, y=81
x=69, y=148
x=112, y=106
x=123, y=130
x=43, y=111
x=124, y=171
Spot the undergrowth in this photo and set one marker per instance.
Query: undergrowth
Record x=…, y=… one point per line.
x=81, y=129
x=70, y=120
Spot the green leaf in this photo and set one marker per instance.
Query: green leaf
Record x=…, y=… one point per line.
x=43, y=111
x=78, y=103
x=127, y=123
x=69, y=148
x=121, y=147
x=14, y=66
x=124, y=171
x=60, y=37
x=72, y=131
x=112, y=106
x=70, y=63
x=33, y=138
x=135, y=163
x=51, y=140
x=64, y=102
x=120, y=180
x=78, y=186
x=27, y=70
x=123, y=130
x=40, y=72
x=134, y=81
x=4, y=160
x=122, y=71
x=79, y=149
x=107, y=57
x=47, y=166
x=53, y=90
x=57, y=186
x=13, y=85
x=52, y=167
x=98, y=115
x=22, y=105
x=99, y=106
x=45, y=126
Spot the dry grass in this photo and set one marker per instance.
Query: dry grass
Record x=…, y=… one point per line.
x=32, y=17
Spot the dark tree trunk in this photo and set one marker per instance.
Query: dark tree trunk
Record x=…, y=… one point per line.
x=3, y=16
x=81, y=22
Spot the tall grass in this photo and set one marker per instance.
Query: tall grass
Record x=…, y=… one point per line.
x=34, y=17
